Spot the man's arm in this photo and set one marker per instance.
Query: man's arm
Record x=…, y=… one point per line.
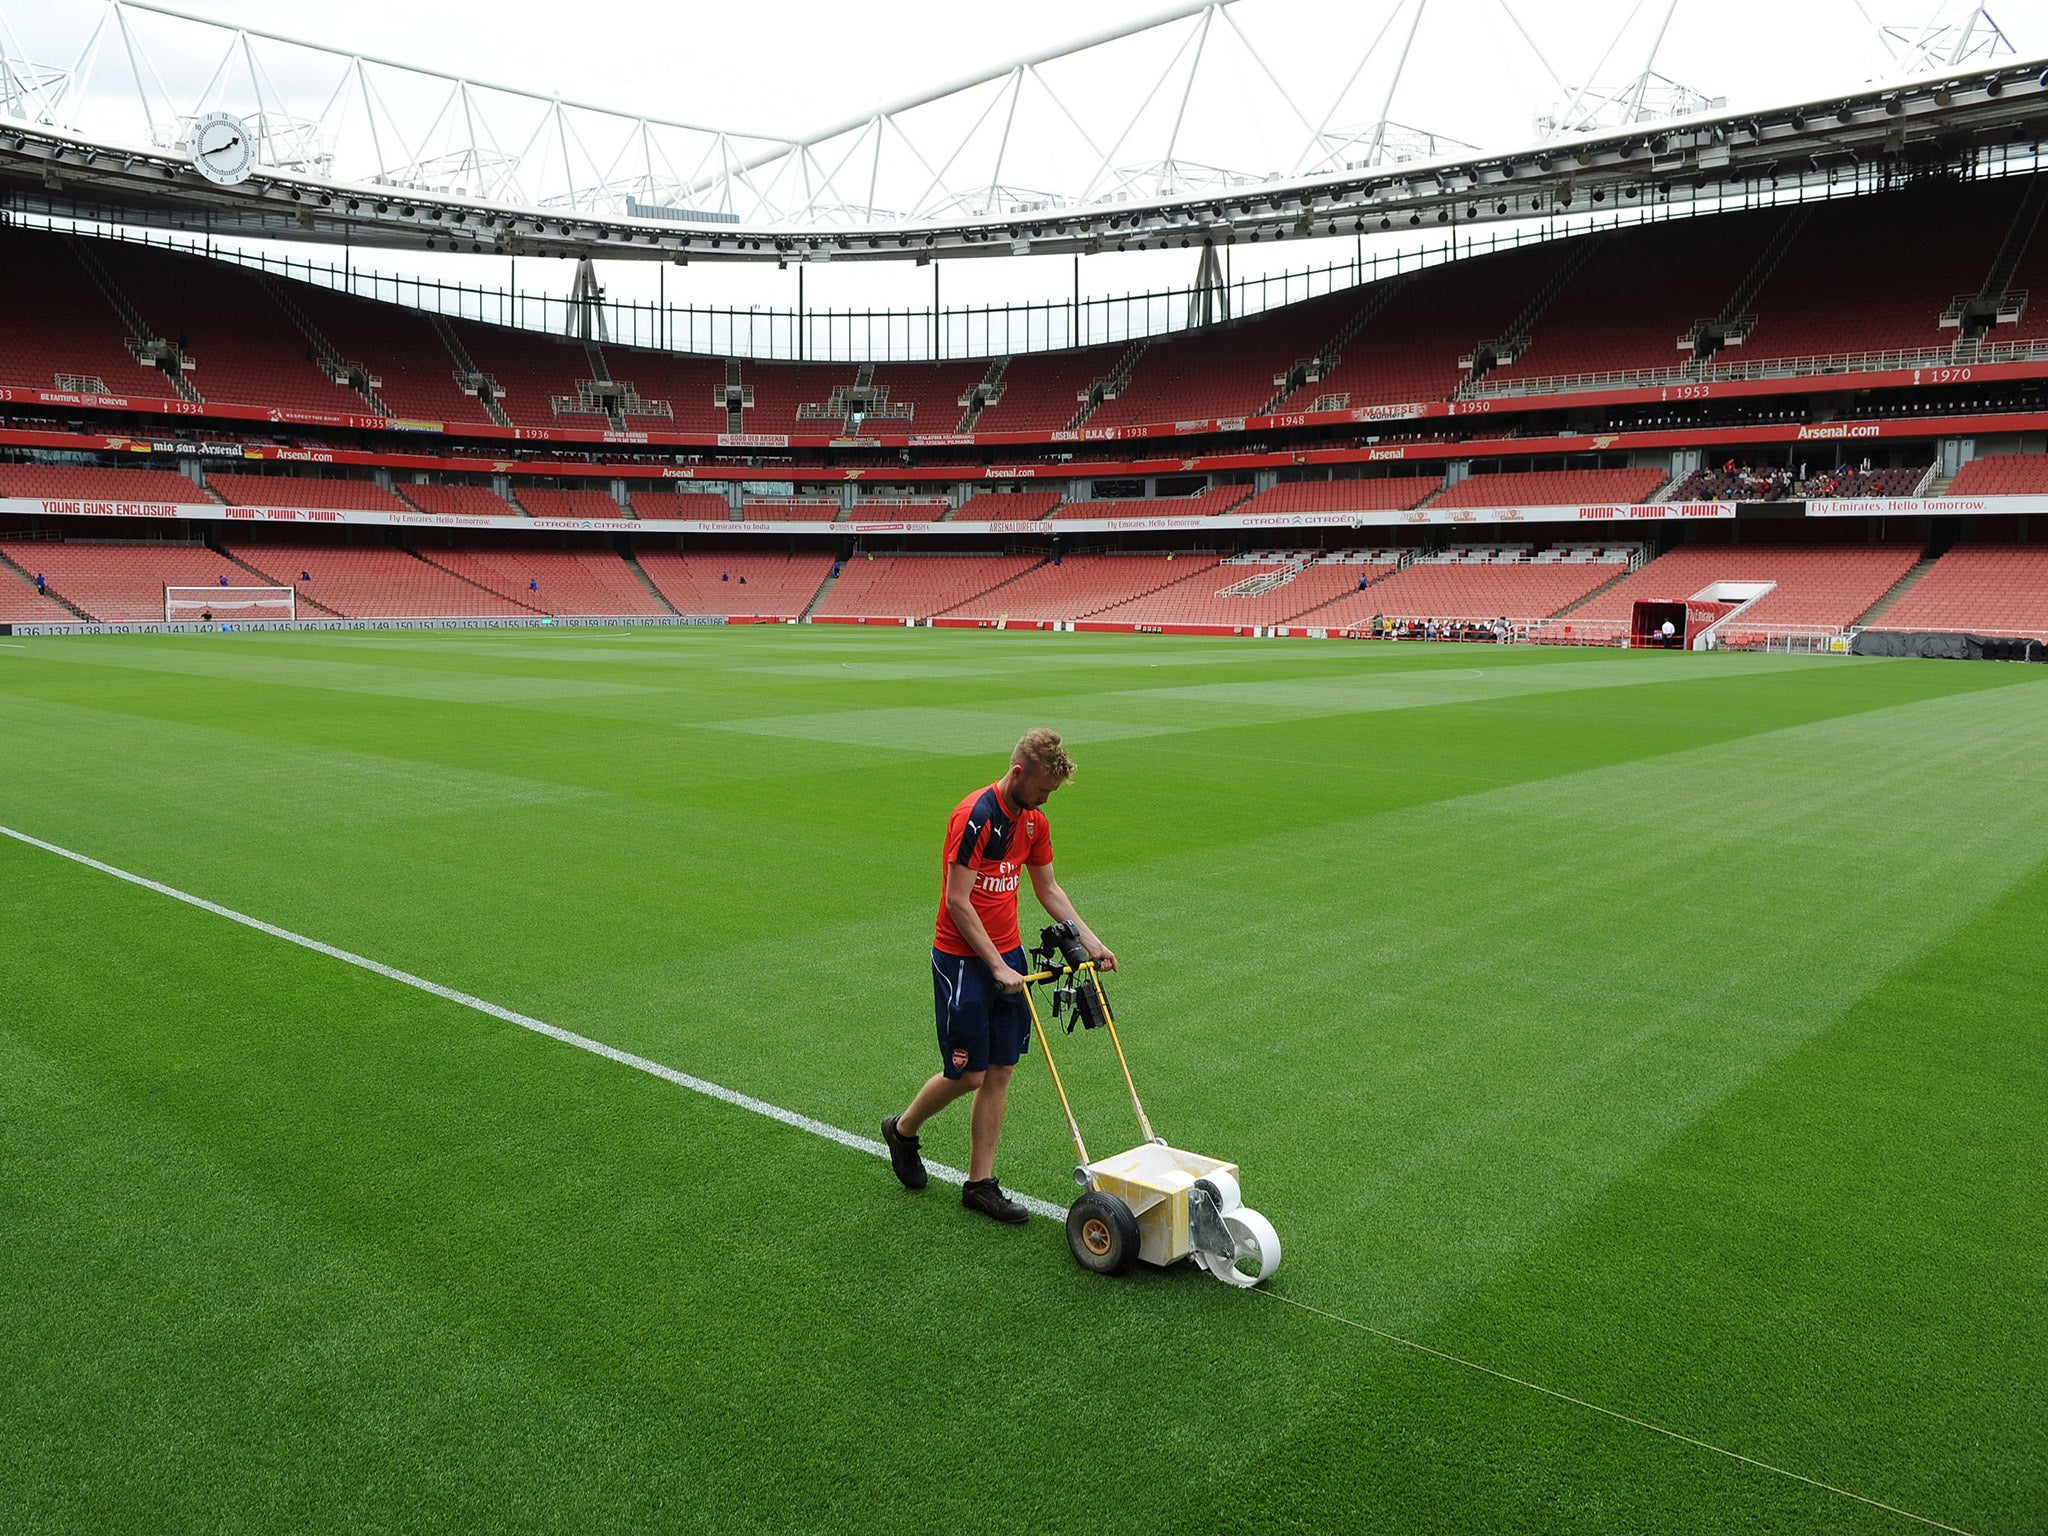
x=967, y=923
x=1060, y=908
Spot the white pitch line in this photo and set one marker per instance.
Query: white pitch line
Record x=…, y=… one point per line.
x=667, y=1074
x=1613, y=1413
x=875, y=1148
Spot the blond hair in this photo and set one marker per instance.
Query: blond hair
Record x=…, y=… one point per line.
x=1039, y=750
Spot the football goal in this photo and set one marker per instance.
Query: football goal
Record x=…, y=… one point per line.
x=202, y=605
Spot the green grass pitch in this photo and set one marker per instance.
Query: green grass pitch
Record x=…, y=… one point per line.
x=1667, y=1032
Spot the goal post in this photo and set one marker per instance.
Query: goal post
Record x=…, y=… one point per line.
x=196, y=605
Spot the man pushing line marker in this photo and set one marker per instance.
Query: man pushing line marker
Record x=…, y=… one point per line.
x=978, y=963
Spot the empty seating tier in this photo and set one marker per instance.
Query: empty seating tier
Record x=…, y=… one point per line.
x=1515, y=588
x=1007, y=507
x=1999, y=589
x=901, y=509
x=21, y=603
x=791, y=509
x=1040, y=389
x=415, y=373
x=1554, y=488
x=738, y=584
x=124, y=583
x=1246, y=594
x=530, y=372
x=81, y=483
x=590, y=583
x=1395, y=493
x=916, y=586
x=688, y=386
x=1619, y=307
x=304, y=491
x=540, y=502
x=1217, y=499
x=1081, y=586
x=932, y=390
x=2005, y=474
x=688, y=506
x=1627, y=308
x=1817, y=586
x=1913, y=251
x=458, y=501
x=61, y=333
x=244, y=350
x=371, y=581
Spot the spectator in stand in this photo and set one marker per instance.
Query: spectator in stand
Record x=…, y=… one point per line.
x=42, y=586
x=223, y=581
x=305, y=575
x=533, y=584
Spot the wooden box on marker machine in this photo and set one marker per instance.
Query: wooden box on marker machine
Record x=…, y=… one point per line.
x=1154, y=1180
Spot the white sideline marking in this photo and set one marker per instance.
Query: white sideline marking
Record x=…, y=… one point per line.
x=875, y=1148
x=1612, y=1413
x=667, y=1074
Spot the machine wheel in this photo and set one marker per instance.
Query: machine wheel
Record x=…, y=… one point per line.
x=1103, y=1233
x=1258, y=1249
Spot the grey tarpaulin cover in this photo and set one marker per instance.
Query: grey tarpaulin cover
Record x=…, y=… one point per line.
x=1947, y=647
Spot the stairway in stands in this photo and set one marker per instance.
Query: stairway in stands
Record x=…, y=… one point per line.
x=607, y=397
x=1995, y=301
x=1636, y=563
x=625, y=548
x=1509, y=346
x=144, y=344
x=1315, y=369
x=49, y=592
x=338, y=369
x=983, y=395
x=469, y=378
x=831, y=580
x=305, y=599
x=1733, y=325
x=1111, y=384
x=1905, y=584
x=735, y=397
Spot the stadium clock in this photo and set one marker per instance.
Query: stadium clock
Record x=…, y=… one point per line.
x=223, y=149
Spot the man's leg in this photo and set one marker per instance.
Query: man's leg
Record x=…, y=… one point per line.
x=990, y=1100
x=939, y=1091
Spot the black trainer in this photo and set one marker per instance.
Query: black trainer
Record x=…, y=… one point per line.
x=987, y=1197
x=903, y=1155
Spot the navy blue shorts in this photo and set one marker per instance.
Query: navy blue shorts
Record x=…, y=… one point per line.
x=980, y=1025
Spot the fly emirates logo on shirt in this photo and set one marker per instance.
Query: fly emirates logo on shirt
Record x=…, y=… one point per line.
x=1006, y=878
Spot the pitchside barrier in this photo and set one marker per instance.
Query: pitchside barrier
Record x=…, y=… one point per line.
x=295, y=626
x=1815, y=640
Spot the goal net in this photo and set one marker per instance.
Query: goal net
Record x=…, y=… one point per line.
x=198, y=605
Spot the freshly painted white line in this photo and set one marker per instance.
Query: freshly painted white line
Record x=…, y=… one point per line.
x=1612, y=1413
x=875, y=1148
x=667, y=1074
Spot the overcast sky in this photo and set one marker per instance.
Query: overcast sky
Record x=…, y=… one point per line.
x=790, y=68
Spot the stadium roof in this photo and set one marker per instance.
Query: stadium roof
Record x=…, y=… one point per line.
x=334, y=159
